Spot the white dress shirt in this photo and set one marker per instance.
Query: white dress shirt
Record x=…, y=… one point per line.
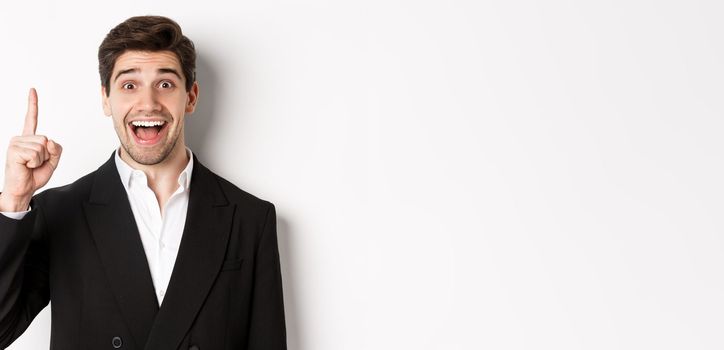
x=15, y=215
x=160, y=234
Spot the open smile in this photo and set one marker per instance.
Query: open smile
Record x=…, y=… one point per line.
x=148, y=132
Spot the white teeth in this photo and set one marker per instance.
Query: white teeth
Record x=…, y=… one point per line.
x=147, y=124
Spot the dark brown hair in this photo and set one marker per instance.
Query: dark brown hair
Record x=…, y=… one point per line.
x=146, y=33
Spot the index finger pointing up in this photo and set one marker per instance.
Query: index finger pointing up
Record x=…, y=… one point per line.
x=31, y=117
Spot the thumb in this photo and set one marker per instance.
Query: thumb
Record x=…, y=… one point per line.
x=55, y=150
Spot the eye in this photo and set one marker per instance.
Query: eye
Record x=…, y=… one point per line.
x=166, y=84
x=128, y=86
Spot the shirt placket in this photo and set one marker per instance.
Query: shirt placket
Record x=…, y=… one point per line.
x=164, y=263
x=151, y=217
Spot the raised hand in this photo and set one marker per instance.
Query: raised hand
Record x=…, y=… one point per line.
x=31, y=161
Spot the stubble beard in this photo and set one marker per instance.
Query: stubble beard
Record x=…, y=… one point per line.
x=149, y=156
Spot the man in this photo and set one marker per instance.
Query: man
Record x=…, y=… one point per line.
x=152, y=250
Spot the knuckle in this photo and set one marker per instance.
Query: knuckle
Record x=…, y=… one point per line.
x=30, y=153
x=15, y=149
x=25, y=156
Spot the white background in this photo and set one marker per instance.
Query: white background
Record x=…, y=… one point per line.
x=447, y=174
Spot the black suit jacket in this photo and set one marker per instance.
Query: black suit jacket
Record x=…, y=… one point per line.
x=79, y=248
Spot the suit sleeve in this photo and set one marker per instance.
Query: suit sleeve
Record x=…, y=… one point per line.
x=24, y=290
x=267, y=327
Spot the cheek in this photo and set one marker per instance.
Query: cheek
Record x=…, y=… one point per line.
x=118, y=124
x=119, y=113
x=120, y=106
x=176, y=107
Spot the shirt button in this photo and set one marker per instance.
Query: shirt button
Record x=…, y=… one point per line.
x=117, y=342
x=162, y=292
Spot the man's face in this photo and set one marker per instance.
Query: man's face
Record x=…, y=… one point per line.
x=148, y=101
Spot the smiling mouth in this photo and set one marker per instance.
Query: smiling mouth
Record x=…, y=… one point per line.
x=147, y=131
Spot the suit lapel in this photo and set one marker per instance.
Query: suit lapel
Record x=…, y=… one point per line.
x=121, y=251
x=199, y=260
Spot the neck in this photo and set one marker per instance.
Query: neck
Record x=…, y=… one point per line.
x=162, y=177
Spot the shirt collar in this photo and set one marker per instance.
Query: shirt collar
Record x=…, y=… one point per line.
x=127, y=173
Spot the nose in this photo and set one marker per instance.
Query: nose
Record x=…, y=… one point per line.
x=148, y=101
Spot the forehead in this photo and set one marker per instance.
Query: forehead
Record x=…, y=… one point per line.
x=144, y=60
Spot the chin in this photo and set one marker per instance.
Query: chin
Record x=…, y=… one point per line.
x=150, y=155
x=147, y=156
x=147, y=160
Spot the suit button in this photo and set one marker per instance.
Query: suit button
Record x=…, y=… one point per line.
x=194, y=347
x=117, y=342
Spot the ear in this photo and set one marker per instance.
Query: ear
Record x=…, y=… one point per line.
x=106, y=103
x=192, y=96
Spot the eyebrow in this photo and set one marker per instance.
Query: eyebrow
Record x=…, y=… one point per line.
x=136, y=70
